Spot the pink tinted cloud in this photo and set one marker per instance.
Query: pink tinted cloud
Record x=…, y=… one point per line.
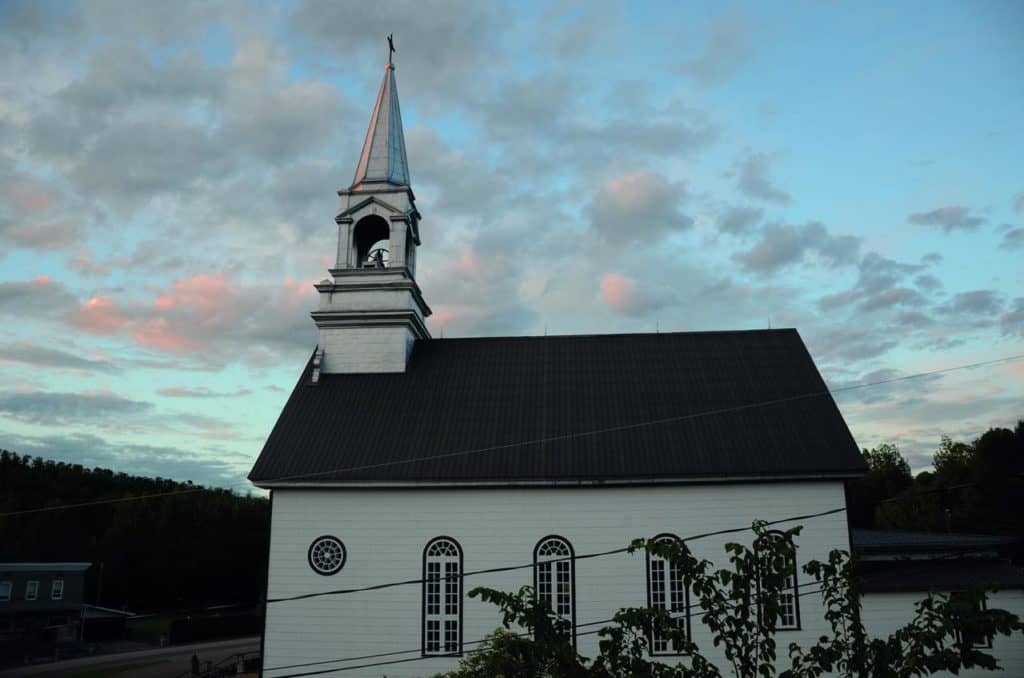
x=99, y=315
x=156, y=334
x=466, y=263
x=34, y=200
x=197, y=292
x=623, y=296
x=618, y=291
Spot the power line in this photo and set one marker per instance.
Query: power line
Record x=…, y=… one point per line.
x=652, y=422
x=585, y=556
x=536, y=441
x=689, y=615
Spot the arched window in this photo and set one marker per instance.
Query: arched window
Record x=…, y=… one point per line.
x=554, y=577
x=370, y=236
x=442, y=597
x=666, y=590
x=789, y=599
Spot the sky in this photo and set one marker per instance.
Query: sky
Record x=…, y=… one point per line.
x=168, y=178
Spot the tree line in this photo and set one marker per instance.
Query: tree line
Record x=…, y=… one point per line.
x=974, y=486
x=208, y=546
x=203, y=546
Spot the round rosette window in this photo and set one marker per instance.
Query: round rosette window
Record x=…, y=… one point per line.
x=327, y=555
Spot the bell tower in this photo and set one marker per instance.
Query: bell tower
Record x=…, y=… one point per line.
x=371, y=309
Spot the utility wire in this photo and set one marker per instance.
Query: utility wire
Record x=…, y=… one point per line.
x=689, y=615
x=585, y=556
x=652, y=422
x=536, y=441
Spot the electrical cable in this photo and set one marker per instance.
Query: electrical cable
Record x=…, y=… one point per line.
x=689, y=615
x=509, y=568
x=537, y=441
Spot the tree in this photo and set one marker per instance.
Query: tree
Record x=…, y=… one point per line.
x=888, y=475
x=740, y=605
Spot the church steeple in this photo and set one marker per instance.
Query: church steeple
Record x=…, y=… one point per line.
x=383, y=158
x=371, y=310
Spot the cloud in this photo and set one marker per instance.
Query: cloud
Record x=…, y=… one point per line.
x=974, y=303
x=30, y=217
x=84, y=265
x=1013, y=240
x=100, y=315
x=622, y=295
x=200, y=392
x=210, y=466
x=50, y=408
x=41, y=296
x=642, y=206
x=781, y=245
x=1018, y=203
x=1012, y=321
x=753, y=179
x=727, y=46
x=849, y=344
x=40, y=356
x=878, y=286
x=948, y=219
x=738, y=220
x=439, y=44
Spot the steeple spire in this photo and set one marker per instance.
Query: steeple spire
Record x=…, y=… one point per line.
x=383, y=158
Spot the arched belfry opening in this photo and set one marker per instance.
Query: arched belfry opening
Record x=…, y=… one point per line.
x=370, y=240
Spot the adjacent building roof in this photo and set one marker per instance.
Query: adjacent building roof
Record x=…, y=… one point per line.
x=900, y=560
x=672, y=407
x=906, y=542
x=383, y=159
x=44, y=567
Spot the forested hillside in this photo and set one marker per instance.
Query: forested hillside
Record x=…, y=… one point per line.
x=199, y=547
x=208, y=546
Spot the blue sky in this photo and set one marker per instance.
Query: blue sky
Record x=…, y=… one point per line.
x=167, y=178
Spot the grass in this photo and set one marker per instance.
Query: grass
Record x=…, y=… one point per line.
x=115, y=670
x=149, y=630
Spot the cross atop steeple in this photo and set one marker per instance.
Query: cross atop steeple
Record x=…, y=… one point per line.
x=383, y=158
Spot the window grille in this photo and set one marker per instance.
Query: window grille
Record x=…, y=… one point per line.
x=789, y=600
x=666, y=590
x=442, y=597
x=327, y=555
x=554, y=571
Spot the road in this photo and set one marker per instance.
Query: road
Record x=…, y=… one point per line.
x=164, y=662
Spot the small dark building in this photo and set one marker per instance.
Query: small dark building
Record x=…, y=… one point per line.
x=40, y=607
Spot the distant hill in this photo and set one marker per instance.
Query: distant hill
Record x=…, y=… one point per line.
x=199, y=547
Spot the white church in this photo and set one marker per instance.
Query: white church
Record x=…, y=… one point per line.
x=414, y=462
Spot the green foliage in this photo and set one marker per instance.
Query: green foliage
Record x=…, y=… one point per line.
x=739, y=605
x=544, y=650
x=975, y=487
x=208, y=546
x=888, y=474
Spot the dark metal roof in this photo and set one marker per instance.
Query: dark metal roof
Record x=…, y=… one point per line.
x=590, y=408
x=902, y=541
x=939, y=575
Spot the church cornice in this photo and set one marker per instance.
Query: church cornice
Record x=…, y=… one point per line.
x=362, y=280
x=336, y=319
x=315, y=483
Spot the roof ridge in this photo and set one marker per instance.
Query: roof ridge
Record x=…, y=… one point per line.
x=766, y=330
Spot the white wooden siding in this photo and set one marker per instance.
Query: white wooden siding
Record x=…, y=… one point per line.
x=385, y=532
x=886, y=612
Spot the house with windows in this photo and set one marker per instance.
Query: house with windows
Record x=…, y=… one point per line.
x=40, y=606
x=405, y=469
